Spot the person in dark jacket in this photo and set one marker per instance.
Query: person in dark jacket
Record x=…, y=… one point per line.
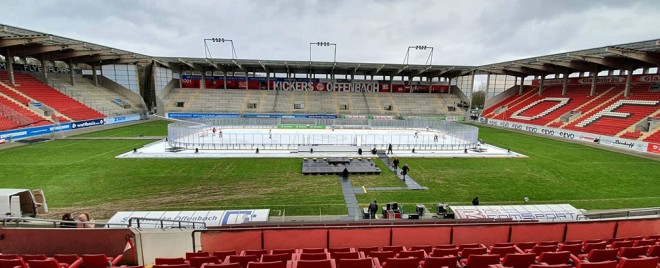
x=373, y=208
x=475, y=201
x=396, y=164
x=404, y=171
x=67, y=221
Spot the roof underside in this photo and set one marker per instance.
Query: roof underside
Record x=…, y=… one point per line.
x=41, y=46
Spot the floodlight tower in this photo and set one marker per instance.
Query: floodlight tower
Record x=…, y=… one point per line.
x=429, y=59
x=207, y=52
x=322, y=44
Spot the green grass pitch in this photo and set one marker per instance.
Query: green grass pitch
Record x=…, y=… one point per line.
x=83, y=175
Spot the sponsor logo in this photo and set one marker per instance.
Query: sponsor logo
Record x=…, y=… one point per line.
x=624, y=143
x=653, y=148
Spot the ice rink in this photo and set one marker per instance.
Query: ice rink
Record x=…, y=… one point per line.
x=274, y=143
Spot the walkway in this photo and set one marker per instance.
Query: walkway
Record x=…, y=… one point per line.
x=354, y=211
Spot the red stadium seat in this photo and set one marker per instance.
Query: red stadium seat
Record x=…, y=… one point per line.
x=480, y=261
x=648, y=262
x=654, y=251
x=439, y=262
x=382, y=255
x=171, y=266
x=599, y=255
x=12, y=263
x=621, y=244
x=471, y=245
x=30, y=257
x=503, y=251
x=559, y=257
x=525, y=245
x=366, y=250
x=333, y=250
x=521, y=260
x=356, y=263
x=574, y=249
x=401, y=263
x=271, y=264
x=602, y=264
x=395, y=249
x=345, y=255
x=550, y=266
x=313, y=250
x=426, y=248
x=590, y=246
x=164, y=261
x=255, y=252
x=196, y=254
x=221, y=255
x=314, y=256
x=540, y=249
x=277, y=257
x=70, y=259
x=419, y=254
x=313, y=264
x=196, y=262
x=100, y=260
x=243, y=260
x=440, y=252
x=633, y=252
x=465, y=253
x=50, y=263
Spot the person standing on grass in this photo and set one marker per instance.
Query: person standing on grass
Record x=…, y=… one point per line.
x=475, y=201
x=396, y=164
x=389, y=149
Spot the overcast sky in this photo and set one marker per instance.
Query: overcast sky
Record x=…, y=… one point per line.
x=462, y=32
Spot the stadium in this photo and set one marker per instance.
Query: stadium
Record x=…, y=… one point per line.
x=191, y=162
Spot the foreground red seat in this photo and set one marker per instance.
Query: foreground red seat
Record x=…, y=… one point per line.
x=648, y=262
x=545, y=248
x=357, y=263
x=524, y=246
x=502, y=251
x=221, y=255
x=588, y=247
x=196, y=262
x=313, y=250
x=574, y=249
x=401, y=263
x=419, y=254
x=554, y=257
x=30, y=257
x=196, y=254
x=550, y=266
x=480, y=260
x=620, y=244
x=185, y=265
x=654, y=251
x=466, y=252
x=313, y=264
x=50, y=263
x=599, y=255
x=243, y=260
x=100, y=260
x=395, y=249
x=382, y=255
x=255, y=252
x=439, y=262
x=12, y=263
x=333, y=250
x=164, y=261
x=521, y=260
x=602, y=264
x=70, y=259
x=277, y=257
x=345, y=255
x=632, y=252
x=270, y=264
x=314, y=256
x=440, y=252
x=425, y=248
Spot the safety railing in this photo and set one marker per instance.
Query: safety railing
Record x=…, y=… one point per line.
x=139, y=221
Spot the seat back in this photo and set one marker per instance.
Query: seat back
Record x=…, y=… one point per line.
x=313, y=250
x=519, y=260
x=591, y=241
x=96, y=261
x=470, y=245
x=501, y=245
x=439, y=262
x=525, y=245
x=466, y=252
x=66, y=258
x=276, y=257
x=573, y=242
x=419, y=254
x=196, y=254
x=333, y=250
x=185, y=265
x=633, y=238
x=314, y=264
x=440, y=252
x=502, y=251
x=402, y=263
x=545, y=248
x=314, y=256
x=654, y=251
x=30, y=257
x=354, y=263
x=447, y=246
x=243, y=260
x=550, y=266
x=196, y=262
x=164, y=261
x=395, y=249
x=637, y=243
x=482, y=260
x=620, y=244
x=555, y=257
x=425, y=248
x=591, y=246
x=574, y=249
x=633, y=252
x=367, y=250
x=599, y=255
x=11, y=263
x=50, y=263
x=345, y=255
x=9, y=257
x=221, y=255
x=224, y=265
x=648, y=262
x=255, y=252
x=548, y=243
x=601, y=264
x=382, y=255
x=270, y=264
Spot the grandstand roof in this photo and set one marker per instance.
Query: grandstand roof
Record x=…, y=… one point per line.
x=301, y=67
x=617, y=57
x=27, y=43
x=23, y=43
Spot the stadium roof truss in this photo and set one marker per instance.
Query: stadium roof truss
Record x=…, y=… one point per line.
x=20, y=42
x=631, y=56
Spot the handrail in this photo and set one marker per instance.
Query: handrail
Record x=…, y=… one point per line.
x=18, y=220
x=162, y=221
x=625, y=213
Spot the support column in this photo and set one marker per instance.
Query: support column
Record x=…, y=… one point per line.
x=96, y=78
x=10, y=67
x=449, y=88
x=71, y=73
x=410, y=84
x=487, y=86
x=267, y=80
x=44, y=73
x=564, y=86
x=202, y=82
x=594, y=75
x=430, y=84
x=522, y=85
x=180, y=76
x=541, y=85
x=247, y=85
x=626, y=92
x=224, y=79
x=391, y=83
x=469, y=110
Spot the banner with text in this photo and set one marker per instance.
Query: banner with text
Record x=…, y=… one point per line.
x=211, y=218
x=617, y=79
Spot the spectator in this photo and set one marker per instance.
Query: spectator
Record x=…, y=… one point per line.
x=67, y=221
x=389, y=148
x=396, y=164
x=373, y=208
x=344, y=173
x=404, y=171
x=475, y=201
x=360, y=151
x=85, y=221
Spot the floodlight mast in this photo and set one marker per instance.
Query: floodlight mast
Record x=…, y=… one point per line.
x=322, y=44
x=207, y=51
x=429, y=59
